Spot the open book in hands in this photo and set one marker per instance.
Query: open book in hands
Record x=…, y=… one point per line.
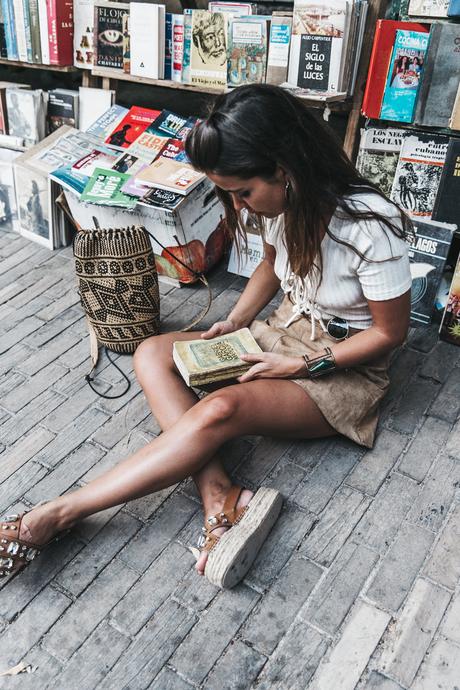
x=202, y=362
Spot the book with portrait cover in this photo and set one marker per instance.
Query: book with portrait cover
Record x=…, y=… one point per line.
x=201, y=362
x=382, y=48
x=378, y=155
x=317, y=45
x=440, y=77
x=208, y=56
x=450, y=324
x=108, y=33
x=135, y=122
x=428, y=250
x=104, y=187
x=175, y=176
x=26, y=114
x=418, y=173
x=447, y=204
x=247, y=50
x=404, y=75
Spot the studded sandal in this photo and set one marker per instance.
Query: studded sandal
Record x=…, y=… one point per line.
x=15, y=553
x=232, y=554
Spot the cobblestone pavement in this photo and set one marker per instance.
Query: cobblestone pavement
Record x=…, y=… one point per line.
x=357, y=586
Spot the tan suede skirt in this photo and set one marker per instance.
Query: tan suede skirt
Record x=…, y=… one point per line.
x=349, y=399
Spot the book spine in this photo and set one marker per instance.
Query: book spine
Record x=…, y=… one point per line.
x=35, y=31
x=19, y=28
x=26, y=10
x=454, y=8
x=43, y=23
x=168, y=45
x=83, y=16
x=145, y=31
x=60, y=29
x=178, y=47
x=278, y=50
x=185, y=76
x=10, y=34
x=427, y=75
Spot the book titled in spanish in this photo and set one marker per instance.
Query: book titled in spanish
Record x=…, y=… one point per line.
x=201, y=362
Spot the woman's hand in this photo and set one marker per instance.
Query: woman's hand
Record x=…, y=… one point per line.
x=220, y=328
x=269, y=365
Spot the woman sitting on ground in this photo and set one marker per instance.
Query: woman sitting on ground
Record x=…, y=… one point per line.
x=336, y=247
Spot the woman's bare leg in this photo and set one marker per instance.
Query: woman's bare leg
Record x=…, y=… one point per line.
x=273, y=407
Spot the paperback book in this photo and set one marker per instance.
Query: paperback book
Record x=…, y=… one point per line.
x=131, y=126
x=174, y=150
x=247, y=50
x=147, y=39
x=168, y=45
x=208, y=58
x=147, y=146
x=108, y=34
x=378, y=155
x=127, y=163
x=278, y=49
x=418, y=173
x=94, y=159
x=177, y=46
x=428, y=8
x=175, y=176
x=63, y=107
x=450, y=324
x=447, y=204
x=93, y=103
x=26, y=114
x=404, y=74
x=454, y=120
x=104, y=187
x=67, y=178
x=429, y=247
x=134, y=188
x=107, y=122
x=83, y=34
x=161, y=198
x=168, y=124
x=201, y=362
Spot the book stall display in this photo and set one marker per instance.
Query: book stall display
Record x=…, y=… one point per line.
x=410, y=145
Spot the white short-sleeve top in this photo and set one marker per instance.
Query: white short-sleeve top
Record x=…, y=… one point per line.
x=348, y=280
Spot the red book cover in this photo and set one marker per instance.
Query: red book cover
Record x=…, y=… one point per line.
x=60, y=31
x=384, y=38
x=131, y=126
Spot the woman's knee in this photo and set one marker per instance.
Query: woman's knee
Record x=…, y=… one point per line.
x=217, y=409
x=152, y=352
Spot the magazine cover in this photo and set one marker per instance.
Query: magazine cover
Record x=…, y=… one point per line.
x=428, y=252
x=378, y=155
x=428, y=8
x=418, y=174
x=247, y=50
x=131, y=126
x=450, y=324
x=108, y=34
x=26, y=114
x=104, y=187
x=208, y=58
x=404, y=75
x=315, y=57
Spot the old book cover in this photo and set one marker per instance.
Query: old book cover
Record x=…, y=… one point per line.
x=175, y=176
x=43, y=21
x=447, y=204
x=428, y=250
x=104, y=187
x=440, y=78
x=418, y=173
x=404, y=75
x=278, y=49
x=26, y=114
x=208, y=58
x=247, y=50
x=450, y=324
x=131, y=126
x=108, y=34
x=60, y=31
x=147, y=146
x=378, y=155
x=205, y=361
x=428, y=8
x=35, y=31
x=9, y=28
x=382, y=48
x=83, y=36
x=62, y=108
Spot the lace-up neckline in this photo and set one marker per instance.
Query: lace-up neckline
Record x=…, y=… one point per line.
x=303, y=304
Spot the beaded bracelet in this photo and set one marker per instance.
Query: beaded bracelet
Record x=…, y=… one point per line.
x=321, y=365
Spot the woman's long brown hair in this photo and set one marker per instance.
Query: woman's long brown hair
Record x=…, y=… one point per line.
x=252, y=132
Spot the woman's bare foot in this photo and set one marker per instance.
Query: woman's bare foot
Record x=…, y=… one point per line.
x=42, y=523
x=215, y=509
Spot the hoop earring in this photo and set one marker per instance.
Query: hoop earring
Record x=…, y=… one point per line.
x=287, y=187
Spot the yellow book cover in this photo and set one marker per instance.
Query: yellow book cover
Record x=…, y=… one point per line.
x=175, y=176
x=207, y=361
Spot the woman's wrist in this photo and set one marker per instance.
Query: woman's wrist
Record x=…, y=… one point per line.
x=320, y=365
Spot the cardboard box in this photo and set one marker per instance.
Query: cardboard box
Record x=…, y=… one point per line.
x=250, y=256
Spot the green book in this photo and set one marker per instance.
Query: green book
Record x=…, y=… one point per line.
x=104, y=187
x=206, y=361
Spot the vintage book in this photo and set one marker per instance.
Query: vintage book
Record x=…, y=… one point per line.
x=10, y=32
x=454, y=120
x=28, y=35
x=147, y=39
x=378, y=155
x=108, y=34
x=8, y=207
x=126, y=45
x=93, y=103
x=447, y=204
x=201, y=362
x=35, y=31
x=169, y=124
x=83, y=36
x=247, y=50
x=278, y=49
x=418, y=173
x=175, y=176
x=26, y=114
x=135, y=122
x=428, y=250
x=236, y=9
x=62, y=108
x=208, y=59
x=60, y=31
x=440, y=77
x=161, y=198
x=43, y=22
x=4, y=85
x=104, y=187
x=428, y=8
x=404, y=74
x=450, y=324
x=107, y=122
x=317, y=45
x=95, y=159
x=382, y=49
x=168, y=45
x=177, y=46
x=20, y=29
x=3, y=48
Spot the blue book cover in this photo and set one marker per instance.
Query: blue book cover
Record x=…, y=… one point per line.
x=404, y=76
x=168, y=45
x=10, y=33
x=25, y=4
x=454, y=8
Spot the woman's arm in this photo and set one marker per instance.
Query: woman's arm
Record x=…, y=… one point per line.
x=261, y=288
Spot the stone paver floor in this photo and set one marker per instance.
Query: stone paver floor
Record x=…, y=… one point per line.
x=357, y=586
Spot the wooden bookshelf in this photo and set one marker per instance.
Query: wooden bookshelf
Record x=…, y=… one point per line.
x=34, y=65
